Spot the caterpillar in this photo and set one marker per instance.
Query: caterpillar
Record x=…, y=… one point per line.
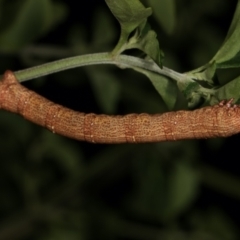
x=220, y=120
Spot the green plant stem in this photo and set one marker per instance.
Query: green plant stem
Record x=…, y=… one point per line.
x=123, y=61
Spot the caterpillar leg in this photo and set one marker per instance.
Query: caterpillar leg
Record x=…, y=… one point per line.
x=227, y=103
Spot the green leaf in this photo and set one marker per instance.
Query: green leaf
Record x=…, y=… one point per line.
x=148, y=43
x=130, y=14
x=228, y=91
x=235, y=22
x=192, y=91
x=204, y=73
x=166, y=88
x=33, y=19
x=164, y=12
x=231, y=63
x=228, y=54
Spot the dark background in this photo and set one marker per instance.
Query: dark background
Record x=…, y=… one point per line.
x=52, y=187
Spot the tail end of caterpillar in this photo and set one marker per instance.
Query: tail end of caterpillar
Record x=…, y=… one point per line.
x=7, y=80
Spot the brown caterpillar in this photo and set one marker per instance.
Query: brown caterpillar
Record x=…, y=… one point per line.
x=221, y=120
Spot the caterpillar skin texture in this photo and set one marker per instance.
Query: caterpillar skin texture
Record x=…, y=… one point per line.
x=221, y=120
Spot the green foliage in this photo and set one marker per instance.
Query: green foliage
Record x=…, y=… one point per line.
x=165, y=13
x=33, y=20
x=55, y=188
x=229, y=90
x=228, y=55
x=165, y=87
x=132, y=16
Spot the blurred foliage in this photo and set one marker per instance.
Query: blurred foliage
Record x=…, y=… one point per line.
x=52, y=187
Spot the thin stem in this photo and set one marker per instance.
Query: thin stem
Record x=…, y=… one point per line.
x=123, y=61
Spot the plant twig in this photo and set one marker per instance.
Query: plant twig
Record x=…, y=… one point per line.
x=123, y=61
